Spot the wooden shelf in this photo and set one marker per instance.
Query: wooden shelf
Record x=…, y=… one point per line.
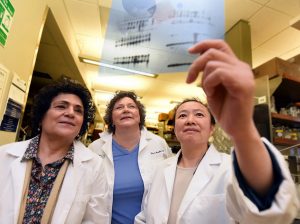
x=168, y=132
x=285, y=119
x=152, y=128
x=285, y=141
x=172, y=142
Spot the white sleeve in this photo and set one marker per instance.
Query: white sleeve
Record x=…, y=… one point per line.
x=283, y=209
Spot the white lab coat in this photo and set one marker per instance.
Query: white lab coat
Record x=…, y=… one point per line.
x=82, y=195
x=152, y=150
x=212, y=188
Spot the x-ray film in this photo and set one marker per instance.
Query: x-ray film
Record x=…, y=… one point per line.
x=153, y=35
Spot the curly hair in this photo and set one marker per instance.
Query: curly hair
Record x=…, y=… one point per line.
x=195, y=99
x=110, y=106
x=43, y=100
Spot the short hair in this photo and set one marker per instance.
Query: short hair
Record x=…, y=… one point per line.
x=43, y=100
x=110, y=106
x=194, y=99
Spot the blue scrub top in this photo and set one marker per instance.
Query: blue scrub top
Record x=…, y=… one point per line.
x=128, y=185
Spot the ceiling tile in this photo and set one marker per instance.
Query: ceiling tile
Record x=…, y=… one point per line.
x=266, y=24
x=290, y=7
x=90, y=46
x=291, y=39
x=291, y=53
x=236, y=10
x=260, y=55
x=276, y=47
x=84, y=17
x=263, y=2
x=89, y=1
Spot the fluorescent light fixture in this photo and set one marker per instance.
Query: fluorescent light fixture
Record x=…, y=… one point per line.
x=95, y=62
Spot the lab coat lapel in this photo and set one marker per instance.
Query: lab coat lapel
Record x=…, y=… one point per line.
x=68, y=192
x=143, y=139
x=169, y=174
x=18, y=170
x=69, y=187
x=107, y=147
x=201, y=178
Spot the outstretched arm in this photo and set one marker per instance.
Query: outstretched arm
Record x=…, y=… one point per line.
x=229, y=85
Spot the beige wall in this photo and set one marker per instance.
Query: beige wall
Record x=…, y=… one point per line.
x=19, y=53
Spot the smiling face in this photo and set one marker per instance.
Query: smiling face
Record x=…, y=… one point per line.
x=193, y=123
x=125, y=114
x=64, y=118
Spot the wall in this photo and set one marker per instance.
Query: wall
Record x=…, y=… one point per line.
x=20, y=50
x=239, y=39
x=19, y=54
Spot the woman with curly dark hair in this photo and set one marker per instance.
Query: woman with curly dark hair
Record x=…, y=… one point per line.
x=130, y=154
x=53, y=177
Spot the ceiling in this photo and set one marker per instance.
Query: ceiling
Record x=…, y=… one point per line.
x=271, y=36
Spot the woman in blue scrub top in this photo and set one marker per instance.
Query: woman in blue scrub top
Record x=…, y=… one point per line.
x=130, y=155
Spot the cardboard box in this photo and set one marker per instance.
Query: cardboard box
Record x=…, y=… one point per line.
x=277, y=66
x=163, y=117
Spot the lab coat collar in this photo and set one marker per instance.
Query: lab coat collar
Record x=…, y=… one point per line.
x=146, y=136
x=19, y=150
x=106, y=138
x=79, y=154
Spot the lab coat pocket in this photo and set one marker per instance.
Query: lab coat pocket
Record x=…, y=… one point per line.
x=208, y=209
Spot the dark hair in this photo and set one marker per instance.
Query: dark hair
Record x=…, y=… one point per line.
x=195, y=99
x=43, y=99
x=110, y=106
